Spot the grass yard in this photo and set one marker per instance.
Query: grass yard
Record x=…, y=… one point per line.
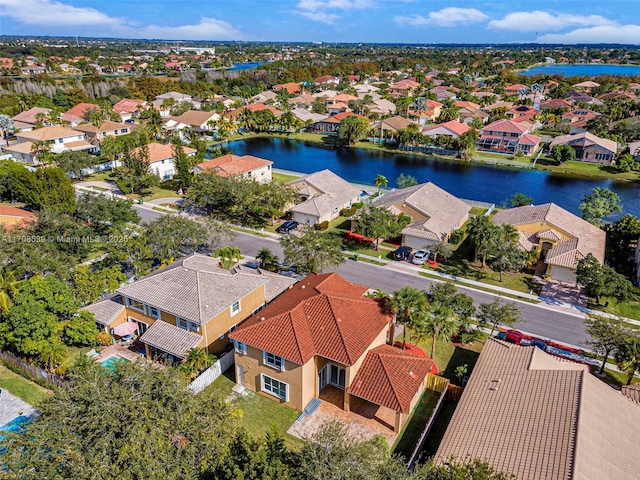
x=21, y=387
x=434, y=438
x=339, y=225
x=410, y=434
x=586, y=170
x=72, y=354
x=258, y=413
x=618, y=378
x=628, y=309
x=282, y=177
x=103, y=176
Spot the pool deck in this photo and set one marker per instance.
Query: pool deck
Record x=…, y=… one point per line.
x=121, y=351
x=12, y=407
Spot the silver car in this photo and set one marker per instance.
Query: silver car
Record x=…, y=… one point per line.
x=421, y=256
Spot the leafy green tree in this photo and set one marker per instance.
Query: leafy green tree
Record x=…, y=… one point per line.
x=106, y=214
x=409, y=303
x=171, y=236
x=628, y=356
x=505, y=253
x=448, y=112
x=563, y=153
x=499, y=313
x=81, y=330
x=89, y=284
x=312, y=251
x=197, y=359
x=74, y=162
x=135, y=173
x=606, y=334
x=352, y=129
x=483, y=234
x=601, y=280
x=379, y=222
x=626, y=163
x=440, y=249
x=406, y=181
x=183, y=165
x=81, y=435
x=319, y=106
x=598, y=204
x=447, y=294
x=623, y=231
x=520, y=200
x=52, y=354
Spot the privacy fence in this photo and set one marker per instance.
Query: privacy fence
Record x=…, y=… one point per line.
x=31, y=371
x=207, y=377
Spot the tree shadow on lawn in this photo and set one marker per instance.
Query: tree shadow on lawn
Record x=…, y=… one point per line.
x=461, y=355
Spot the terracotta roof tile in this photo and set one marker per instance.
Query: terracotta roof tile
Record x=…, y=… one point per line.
x=159, y=151
x=81, y=109
x=230, y=164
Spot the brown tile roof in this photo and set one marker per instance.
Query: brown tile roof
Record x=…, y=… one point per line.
x=80, y=109
x=159, y=151
x=321, y=315
x=195, y=117
x=48, y=133
x=107, y=126
x=170, y=339
x=230, y=164
x=585, y=139
x=289, y=87
x=129, y=105
x=590, y=239
x=533, y=415
x=328, y=191
x=390, y=377
x=29, y=116
x=395, y=123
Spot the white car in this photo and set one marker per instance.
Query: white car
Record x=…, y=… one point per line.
x=421, y=256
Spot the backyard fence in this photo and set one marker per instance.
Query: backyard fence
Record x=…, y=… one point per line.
x=441, y=385
x=454, y=392
x=31, y=370
x=475, y=203
x=207, y=377
x=429, y=150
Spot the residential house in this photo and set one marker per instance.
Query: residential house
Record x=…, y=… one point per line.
x=198, y=120
x=466, y=104
x=330, y=124
x=246, y=166
x=521, y=111
x=576, y=120
x=322, y=195
x=27, y=120
x=429, y=113
x=305, y=100
x=452, y=128
x=582, y=97
x=620, y=96
x=266, y=96
x=382, y=107
x=340, y=98
x=365, y=89
x=515, y=89
x=403, y=88
x=497, y=105
x=95, y=135
x=61, y=139
x=176, y=97
x=79, y=113
x=634, y=149
x=337, y=107
x=589, y=148
x=254, y=107
x=327, y=80
x=323, y=335
x=538, y=417
x=161, y=158
x=434, y=212
x=507, y=136
x=305, y=115
x=129, y=108
x=554, y=103
x=469, y=114
x=442, y=93
x=191, y=303
x=586, y=87
x=561, y=237
x=389, y=127
x=11, y=217
x=292, y=87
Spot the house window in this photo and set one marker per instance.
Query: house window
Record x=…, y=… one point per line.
x=235, y=308
x=602, y=156
x=233, y=327
x=124, y=130
x=273, y=361
x=182, y=323
x=154, y=312
x=135, y=305
x=240, y=347
x=275, y=387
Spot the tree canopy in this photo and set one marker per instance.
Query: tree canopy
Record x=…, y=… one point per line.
x=352, y=129
x=598, y=204
x=312, y=251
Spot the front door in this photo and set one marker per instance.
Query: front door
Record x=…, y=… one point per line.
x=322, y=378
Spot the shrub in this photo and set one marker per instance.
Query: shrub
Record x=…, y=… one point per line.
x=124, y=186
x=347, y=212
x=456, y=236
x=470, y=335
x=104, y=339
x=321, y=227
x=358, y=205
x=61, y=369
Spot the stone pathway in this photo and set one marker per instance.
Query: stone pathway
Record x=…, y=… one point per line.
x=12, y=407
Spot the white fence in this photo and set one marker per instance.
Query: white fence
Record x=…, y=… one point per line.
x=207, y=377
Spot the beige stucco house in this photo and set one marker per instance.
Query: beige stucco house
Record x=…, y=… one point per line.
x=247, y=166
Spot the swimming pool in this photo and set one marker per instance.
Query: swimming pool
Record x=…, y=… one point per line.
x=16, y=424
x=110, y=362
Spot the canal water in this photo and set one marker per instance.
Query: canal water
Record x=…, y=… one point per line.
x=469, y=181
x=580, y=70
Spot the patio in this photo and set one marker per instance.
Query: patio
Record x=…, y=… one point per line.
x=132, y=352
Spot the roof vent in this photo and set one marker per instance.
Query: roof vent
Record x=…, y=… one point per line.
x=411, y=374
x=302, y=286
x=261, y=319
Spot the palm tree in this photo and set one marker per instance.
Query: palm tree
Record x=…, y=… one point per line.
x=482, y=232
x=267, y=258
x=197, y=359
x=407, y=301
x=8, y=287
x=42, y=150
x=381, y=182
x=628, y=357
x=52, y=354
x=441, y=323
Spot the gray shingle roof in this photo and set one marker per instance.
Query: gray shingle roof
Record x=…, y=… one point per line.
x=528, y=413
x=170, y=338
x=331, y=192
x=196, y=290
x=106, y=310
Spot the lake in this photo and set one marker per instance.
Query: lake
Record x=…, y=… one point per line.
x=581, y=70
x=469, y=181
x=245, y=66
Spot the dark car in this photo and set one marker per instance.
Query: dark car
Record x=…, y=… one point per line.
x=402, y=253
x=287, y=226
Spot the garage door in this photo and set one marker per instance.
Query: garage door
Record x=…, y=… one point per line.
x=563, y=274
x=416, y=243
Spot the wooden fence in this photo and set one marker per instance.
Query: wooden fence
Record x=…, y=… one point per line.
x=31, y=370
x=432, y=419
x=207, y=377
x=454, y=392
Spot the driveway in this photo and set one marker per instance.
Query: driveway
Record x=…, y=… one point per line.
x=563, y=294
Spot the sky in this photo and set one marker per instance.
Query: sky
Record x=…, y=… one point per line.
x=368, y=21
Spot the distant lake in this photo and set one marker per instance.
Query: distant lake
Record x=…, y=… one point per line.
x=581, y=70
x=464, y=180
x=245, y=66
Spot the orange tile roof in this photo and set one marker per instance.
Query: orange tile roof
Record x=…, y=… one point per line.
x=80, y=109
x=230, y=164
x=158, y=151
x=453, y=125
x=390, y=376
x=291, y=87
x=321, y=315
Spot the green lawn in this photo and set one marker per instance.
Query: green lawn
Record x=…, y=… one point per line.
x=437, y=431
x=628, y=309
x=410, y=434
x=339, y=225
x=72, y=354
x=282, y=177
x=103, y=176
x=618, y=378
x=21, y=387
x=258, y=413
x=586, y=169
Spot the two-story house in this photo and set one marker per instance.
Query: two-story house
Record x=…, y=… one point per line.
x=246, y=166
x=95, y=135
x=60, y=139
x=323, y=336
x=161, y=158
x=191, y=303
x=507, y=136
x=403, y=88
x=589, y=147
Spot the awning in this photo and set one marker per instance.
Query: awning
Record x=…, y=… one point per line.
x=171, y=339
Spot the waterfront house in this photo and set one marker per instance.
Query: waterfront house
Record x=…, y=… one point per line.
x=322, y=195
x=61, y=139
x=434, y=212
x=388, y=128
x=191, y=303
x=535, y=416
x=589, y=147
x=95, y=135
x=198, y=120
x=245, y=166
x=323, y=337
x=161, y=158
x=305, y=115
x=507, y=136
x=329, y=125
x=561, y=237
x=451, y=128
x=254, y=107
x=128, y=108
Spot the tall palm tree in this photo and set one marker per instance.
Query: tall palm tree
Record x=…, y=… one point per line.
x=8, y=287
x=407, y=301
x=266, y=258
x=381, y=182
x=441, y=323
x=52, y=354
x=42, y=150
x=482, y=232
x=197, y=359
x=628, y=357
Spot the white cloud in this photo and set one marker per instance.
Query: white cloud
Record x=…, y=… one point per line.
x=539, y=21
x=324, y=10
x=628, y=34
x=51, y=13
x=447, y=17
x=208, y=29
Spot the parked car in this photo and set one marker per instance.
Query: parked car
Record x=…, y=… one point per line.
x=514, y=336
x=421, y=256
x=287, y=226
x=402, y=253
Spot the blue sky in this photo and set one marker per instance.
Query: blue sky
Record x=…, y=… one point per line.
x=388, y=21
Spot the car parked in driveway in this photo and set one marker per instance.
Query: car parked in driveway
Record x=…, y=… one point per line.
x=421, y=256
x=402, y=253
x=287, y=226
